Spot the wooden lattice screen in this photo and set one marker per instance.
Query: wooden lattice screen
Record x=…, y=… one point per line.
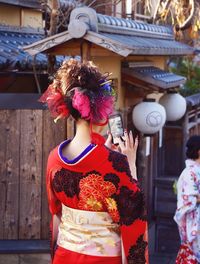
x=26, y=138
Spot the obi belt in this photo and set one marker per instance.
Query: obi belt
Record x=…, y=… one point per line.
x=88, y=232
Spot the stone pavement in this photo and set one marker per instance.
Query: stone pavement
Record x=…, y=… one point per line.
x=45, y=259
x=24, y=259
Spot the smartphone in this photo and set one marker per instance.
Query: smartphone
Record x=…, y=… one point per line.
x=116, y=128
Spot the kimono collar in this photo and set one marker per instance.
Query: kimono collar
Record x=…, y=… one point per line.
x=191, y=163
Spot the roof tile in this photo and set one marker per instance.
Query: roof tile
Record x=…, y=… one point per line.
x=12, y=56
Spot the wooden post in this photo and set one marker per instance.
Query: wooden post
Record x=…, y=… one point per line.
x=53, y=31
x=85, y=50
x=123, y=8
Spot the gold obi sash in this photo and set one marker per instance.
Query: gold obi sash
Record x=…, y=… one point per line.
x=90, y=233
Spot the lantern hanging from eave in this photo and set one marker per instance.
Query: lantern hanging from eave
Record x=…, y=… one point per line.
x=174, y=104
x=149, y=116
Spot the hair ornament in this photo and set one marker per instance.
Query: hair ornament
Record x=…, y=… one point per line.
x=104, y=107
x=94, y=106
x=55, y=101
x=81, y=102
x=106, y=82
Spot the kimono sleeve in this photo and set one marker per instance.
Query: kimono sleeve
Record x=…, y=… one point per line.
x=187, y=215
x=133, y=223
x=54, y=203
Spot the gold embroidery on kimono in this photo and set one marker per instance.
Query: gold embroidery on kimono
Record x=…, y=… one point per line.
x=87, y=232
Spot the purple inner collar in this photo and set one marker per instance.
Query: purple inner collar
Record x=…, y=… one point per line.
x=81, y=155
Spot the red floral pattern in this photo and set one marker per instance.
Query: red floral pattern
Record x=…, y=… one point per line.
x=185, y=255
x=137, y=252
x=112, y=209
x=95, y=195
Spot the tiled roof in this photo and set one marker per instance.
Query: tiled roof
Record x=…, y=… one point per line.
x=146, y=45
x=121, y=36
x=141, y=37
x=12, y=56
x=155, y=76
x=193, y=100
x=127, y=26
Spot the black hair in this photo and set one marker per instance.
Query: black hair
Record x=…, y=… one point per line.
x=193, y=147
x=74, y=113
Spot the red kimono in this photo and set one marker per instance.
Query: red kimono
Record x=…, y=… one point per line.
x=98, y=183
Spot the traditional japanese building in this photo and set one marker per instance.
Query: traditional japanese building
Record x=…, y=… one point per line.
x=21, y=23
x=137, y=54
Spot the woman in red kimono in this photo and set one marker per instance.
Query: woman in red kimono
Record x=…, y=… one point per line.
x=97, y=208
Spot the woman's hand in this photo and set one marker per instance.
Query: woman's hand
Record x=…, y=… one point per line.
x=129, y=148
x=109, y=142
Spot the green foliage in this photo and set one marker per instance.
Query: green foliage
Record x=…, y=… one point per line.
x=186, y=67
x=175, y=187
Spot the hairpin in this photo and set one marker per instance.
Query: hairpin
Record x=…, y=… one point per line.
x=109, y=81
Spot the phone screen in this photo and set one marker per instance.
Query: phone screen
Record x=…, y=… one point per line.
x=116, y=126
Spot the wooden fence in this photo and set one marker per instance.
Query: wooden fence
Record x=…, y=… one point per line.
x=26, y=138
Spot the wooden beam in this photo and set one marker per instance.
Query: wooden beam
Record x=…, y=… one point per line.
x=47, y=43
x=85, y=50
x=20, y=101
x=73, y=49
x=109, y=44
x=24, y=246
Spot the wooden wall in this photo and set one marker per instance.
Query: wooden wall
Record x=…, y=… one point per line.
x=15, y=15
x=26, y=138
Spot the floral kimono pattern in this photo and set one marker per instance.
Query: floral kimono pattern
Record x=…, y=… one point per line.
x=187, y=215
x=99, y=181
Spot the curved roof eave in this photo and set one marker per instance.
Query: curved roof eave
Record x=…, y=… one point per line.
x=123, y=45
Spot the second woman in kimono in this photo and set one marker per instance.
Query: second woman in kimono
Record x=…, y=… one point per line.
x=187, y=215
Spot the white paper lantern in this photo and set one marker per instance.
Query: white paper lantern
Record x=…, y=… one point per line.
x=149, y=116
x=174, y=104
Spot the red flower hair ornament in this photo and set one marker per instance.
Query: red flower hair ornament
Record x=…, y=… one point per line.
x=55, y=102
x=81, y=103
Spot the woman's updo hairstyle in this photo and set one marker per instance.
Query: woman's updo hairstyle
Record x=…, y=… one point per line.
x=81, y=90
x=74, y=73
x=193, y=147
